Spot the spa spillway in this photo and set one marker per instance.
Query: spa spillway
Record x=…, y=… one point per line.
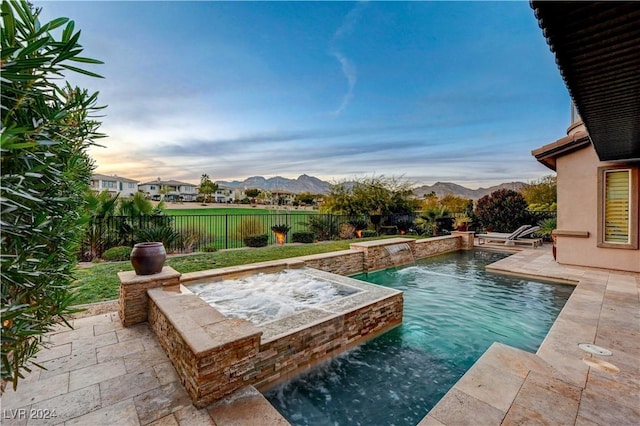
x=231, y=327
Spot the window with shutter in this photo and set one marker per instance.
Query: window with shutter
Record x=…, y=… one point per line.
x=617, y=208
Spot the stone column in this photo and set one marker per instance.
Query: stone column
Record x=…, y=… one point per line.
x=133, y=302
x=466, y=238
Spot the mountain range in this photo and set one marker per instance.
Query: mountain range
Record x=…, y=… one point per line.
x=305, y=183
x=443, y=188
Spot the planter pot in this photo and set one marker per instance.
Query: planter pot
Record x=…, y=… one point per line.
x=148, y=258
x=280, y=238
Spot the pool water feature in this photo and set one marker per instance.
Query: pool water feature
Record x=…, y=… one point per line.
x=453, y=311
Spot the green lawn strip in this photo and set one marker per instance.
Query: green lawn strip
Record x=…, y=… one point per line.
x=100, y=282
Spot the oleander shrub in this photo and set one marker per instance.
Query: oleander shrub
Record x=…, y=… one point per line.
x=504, y=210
x=302, y=237
x=260, y=240
x=117, y=253
x=47, y=127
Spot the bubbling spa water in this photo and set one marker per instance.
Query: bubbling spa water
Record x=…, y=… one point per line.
x=264, y=297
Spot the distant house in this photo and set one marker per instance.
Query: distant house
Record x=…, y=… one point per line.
x=114, y=184
x=282, y=198
x=224, y=195
x=169, y=190
x=598, y=162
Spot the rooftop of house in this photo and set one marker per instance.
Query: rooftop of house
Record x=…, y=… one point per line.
x=170, y=182
x=98, y=176
x=548, y=154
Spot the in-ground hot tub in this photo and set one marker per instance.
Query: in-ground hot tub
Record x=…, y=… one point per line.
x=255, y=335
x=264, y=297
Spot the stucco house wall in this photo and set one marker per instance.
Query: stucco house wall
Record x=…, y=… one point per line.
x=578, y=211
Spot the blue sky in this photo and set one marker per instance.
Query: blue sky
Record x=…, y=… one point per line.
x=432, y=91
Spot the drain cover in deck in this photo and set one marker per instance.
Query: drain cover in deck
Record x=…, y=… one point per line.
x=593, y=349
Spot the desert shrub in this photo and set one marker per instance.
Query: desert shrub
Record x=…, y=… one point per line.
x=302, y=237
x=282, y=228
x=209, y=248
x=117, y=253
x=347, y=231
x=546, y=228
x=165, y=234
x=249, y=225
x=188, y=239
x=404, y=225
x=368, y=233
x=259, y=240
x=359, y=222
x=324, y=227
x=502, y=211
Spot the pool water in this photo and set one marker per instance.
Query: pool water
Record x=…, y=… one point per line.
x=453, y=312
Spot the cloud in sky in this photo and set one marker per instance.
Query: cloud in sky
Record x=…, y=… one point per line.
x=348, y=67
x=458, y=91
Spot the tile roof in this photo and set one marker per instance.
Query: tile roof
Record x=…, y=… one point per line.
x=168, y=182
x=99, y=176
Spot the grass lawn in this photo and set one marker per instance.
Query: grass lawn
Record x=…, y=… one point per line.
x=223, y=226
x=232, y=211
x=100, y=282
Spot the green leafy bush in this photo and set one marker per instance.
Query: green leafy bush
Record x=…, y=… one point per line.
x=47, y=127
x=118, y=253
x=503, y=211
x=281, y=228
x=324, y=227
x=359, y=223
x=368, y=233
x=302, y=237
x=546, y=228
x=260, y=240
x=165, y=234
x=209, y=248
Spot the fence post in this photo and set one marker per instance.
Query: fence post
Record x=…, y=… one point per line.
x=226, y=231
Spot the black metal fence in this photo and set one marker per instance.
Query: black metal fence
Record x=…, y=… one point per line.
x=225, y=231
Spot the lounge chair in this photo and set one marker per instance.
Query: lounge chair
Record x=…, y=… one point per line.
x=525, y=237
x=499, y=236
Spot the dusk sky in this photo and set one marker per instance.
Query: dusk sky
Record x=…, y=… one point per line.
x=431, y=91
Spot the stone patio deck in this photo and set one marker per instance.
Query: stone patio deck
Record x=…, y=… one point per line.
x=102, y=373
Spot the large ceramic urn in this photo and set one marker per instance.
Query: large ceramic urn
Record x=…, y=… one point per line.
x=148, y=258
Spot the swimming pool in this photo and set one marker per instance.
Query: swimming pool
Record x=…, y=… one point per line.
x=453, y=311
